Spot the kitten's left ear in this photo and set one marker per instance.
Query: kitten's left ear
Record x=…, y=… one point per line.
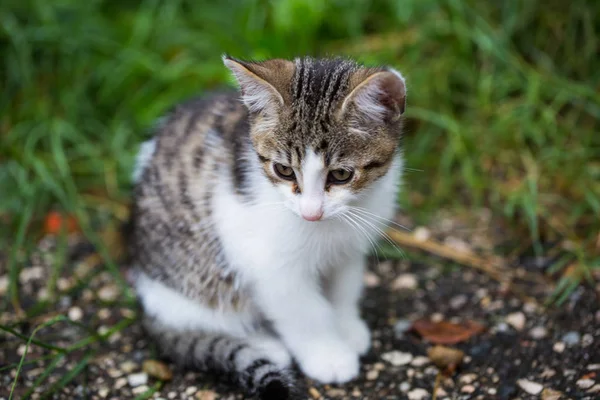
x=263, y=84
x=380, y=96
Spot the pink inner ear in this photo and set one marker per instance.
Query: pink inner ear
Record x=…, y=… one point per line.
x=392, y=94
x=381, y=97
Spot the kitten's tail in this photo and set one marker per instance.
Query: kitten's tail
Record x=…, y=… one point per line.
x=250, y=365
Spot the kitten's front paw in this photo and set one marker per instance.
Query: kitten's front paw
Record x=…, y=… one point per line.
x=356, y=333
x=329, y=362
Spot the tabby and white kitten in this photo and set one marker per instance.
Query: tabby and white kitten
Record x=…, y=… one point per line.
x=252, y=218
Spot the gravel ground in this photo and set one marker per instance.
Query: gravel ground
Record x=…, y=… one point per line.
x=526, y=351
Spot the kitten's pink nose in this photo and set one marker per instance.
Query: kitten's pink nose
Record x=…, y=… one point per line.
x=311, y=210
x=313, y=217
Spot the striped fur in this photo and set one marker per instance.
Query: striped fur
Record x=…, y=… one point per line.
x=229, y=269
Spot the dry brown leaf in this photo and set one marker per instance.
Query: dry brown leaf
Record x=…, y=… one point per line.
x=444, y=332
x=446, y=359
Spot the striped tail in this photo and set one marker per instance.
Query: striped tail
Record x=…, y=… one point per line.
x=244, y=362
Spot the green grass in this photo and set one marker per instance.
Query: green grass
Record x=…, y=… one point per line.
x=503, y=109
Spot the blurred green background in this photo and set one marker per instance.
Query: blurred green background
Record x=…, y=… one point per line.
x=503, y=101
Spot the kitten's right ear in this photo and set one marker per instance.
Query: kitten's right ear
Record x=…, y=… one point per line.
x=263, y=84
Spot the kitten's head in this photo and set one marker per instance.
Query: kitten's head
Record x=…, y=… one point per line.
x=324, y=130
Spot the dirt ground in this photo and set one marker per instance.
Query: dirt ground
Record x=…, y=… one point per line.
x=527, y=351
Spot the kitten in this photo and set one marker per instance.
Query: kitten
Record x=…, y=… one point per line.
x=252, y=219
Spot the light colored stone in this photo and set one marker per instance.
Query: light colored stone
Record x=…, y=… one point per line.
x=404, y=387
x=467, y=389
x=559, y=347
x=593, y=367
x=190, y=390
x=140, y=389
x=538, y=332
x=530, y=386
x=104, y=313
x=205, y=395
x=587, y=340
x=128, y=366
x=547, y=373
x=418, y=394
x=397, y=358
x=371, y=279
x=571, y=338
x=372, y=375
x=594, y=389
x=75, y=313
x=492, y=391
x=31, y=273
x=585, y=383
x=468, y=378
x=103, y=392
x=516, y=320
x=119, y=383
x=421, y=233
x=405, y=282
x=419, y=361
x=138, y=379
x=108, y=293
x=459, y=301
x=551, y=394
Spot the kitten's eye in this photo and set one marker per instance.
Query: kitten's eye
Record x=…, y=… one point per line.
x=284, y=172
x=340, y=176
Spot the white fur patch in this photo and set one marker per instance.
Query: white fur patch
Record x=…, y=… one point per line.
x=181, y=313
x=143, y=158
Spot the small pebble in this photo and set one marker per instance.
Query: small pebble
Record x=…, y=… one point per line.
x=559, y=347
x=421, y=233
x=467, y=389
x=492, y=391
x=419, y=361
x=104, y=313
x=140, y=389
x=336, y=392
x=594, y=389
x=371, y=280
x=418, y=394
x=379, y=366
x=587, y=340
x=75, y=313
x=314, y=393
x=501, y=327
x=516, y=320
x=585, y=383
x=405, y=282
x=539, y=332
x=468, y=378
x=103, y=392
x=530, y=387
x=404, y=387
x=571, y=338
x=191, y=390
x=138, y=379
x=593, y=367
x=172, y=395
x=397, y=358
x=128, y=366
x=551, y=394
x=108, y=292
x=458, y=301
x=401, y=327
x=372, y=375
x=547, y=373
x=205, y=395
x=119, y=383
